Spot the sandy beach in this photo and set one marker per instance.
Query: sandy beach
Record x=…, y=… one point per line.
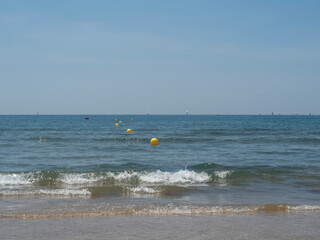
x=261, y=226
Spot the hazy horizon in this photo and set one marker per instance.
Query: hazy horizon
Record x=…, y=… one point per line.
x=162, y=114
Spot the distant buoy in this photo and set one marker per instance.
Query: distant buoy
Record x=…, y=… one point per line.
x=154, y=141
x=120, y=121
x=131, y=119
x=117, y=124
x=116, y=119
x=86, y=118
x=129, y=130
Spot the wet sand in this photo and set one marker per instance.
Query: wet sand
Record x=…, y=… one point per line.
x=242, y=226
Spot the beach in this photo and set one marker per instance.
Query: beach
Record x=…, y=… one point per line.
x=292, y=226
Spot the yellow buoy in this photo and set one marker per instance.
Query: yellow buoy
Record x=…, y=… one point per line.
x=116, y=119
x=129, y=130
x=120, y=121
x=117, y=124
x=154, y=141
x=131, y=119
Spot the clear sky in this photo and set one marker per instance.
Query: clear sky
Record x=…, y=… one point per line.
x=161, y=57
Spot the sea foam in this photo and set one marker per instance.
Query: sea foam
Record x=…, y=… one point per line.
x=144, y=190
x=47, y=193
x=129, y=177
x=182, y=176
x=15, y=179
x=105, y=178
x=222, y=174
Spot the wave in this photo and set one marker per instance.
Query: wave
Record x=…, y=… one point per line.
x=172, y=210
x=134, y=177
x=205, y=173
x=222, y=174
x=46, y=193
x=15, y=179
x=105, y=178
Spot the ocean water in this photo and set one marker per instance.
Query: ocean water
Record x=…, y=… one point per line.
x=65, y=165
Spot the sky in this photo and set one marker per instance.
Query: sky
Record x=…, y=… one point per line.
x=159, y=57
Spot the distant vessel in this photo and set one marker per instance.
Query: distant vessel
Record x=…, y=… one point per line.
x=187, y=113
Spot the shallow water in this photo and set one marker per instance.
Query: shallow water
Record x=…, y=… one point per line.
x=66, y=164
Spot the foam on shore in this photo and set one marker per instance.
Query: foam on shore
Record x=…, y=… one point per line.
x=172, y=210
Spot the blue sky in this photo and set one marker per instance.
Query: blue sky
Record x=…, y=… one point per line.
x=161, y=57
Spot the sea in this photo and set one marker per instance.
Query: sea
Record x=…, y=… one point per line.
x=55, y=166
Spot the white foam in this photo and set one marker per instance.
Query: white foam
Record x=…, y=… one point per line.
x=42, y=192
x=79, y=178
x=144, y=190
x=222, y=174
x=182, y=176
x=157, y=177
x=66, y=192
x=14, y=179
x=304, y=207
x=188, y=210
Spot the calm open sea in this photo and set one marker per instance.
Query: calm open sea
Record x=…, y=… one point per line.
x=65, y=165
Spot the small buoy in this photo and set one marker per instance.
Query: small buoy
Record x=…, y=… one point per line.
x=129, y=130
x=131, y=119
x=154, y=141
x=120, y=121
x=86, y=118
x=117, y=124
x=116, y=119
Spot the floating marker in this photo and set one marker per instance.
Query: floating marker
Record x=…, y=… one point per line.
x=116, y=120
x=131, y=119
x=117, y=124
x=129, y=130
x=154, y=141
x=86, y=118
x=120, y=121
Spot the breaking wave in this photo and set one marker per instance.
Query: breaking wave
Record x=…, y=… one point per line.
x=107, y=178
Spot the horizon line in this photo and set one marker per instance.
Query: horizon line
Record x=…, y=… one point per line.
x=160, y=114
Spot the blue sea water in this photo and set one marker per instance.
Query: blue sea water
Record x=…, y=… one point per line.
x=52, y=163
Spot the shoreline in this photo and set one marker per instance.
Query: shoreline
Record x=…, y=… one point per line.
x=167, y=210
